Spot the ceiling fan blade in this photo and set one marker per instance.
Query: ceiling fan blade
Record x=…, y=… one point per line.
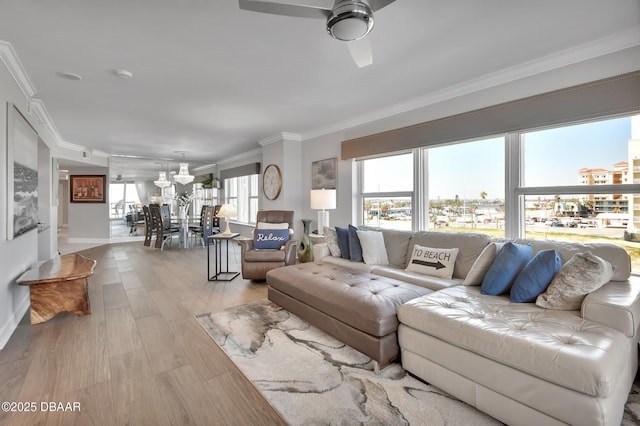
x=379, y=4
x=361, y=52
x=306, y=9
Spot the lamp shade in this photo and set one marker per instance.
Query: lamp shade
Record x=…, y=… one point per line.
x=227, y=211
x=323, y=199
x=183, y=175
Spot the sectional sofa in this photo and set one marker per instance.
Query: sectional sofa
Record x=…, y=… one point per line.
x=519, y=362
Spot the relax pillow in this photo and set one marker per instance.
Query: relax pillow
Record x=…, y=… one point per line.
x=582, y=274
x=270, y=238
x=505, y=268
x=332, y=241
x=355, y=249
x=437, y=262
x=373, y=249
x=535, y=276
x=481, y=265
x=343, y=241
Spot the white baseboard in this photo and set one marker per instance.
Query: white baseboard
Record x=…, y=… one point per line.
x=88, y=240
x=12, y=324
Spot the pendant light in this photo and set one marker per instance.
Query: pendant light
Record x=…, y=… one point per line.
x=183, y=175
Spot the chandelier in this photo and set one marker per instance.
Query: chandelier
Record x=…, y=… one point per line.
x=162, y=181
x=183, y=175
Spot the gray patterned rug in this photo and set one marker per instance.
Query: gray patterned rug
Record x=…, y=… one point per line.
x=313, y=379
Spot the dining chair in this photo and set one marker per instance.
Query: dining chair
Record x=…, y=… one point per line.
x=210, y=223
x=149, y=228
x=164, y=231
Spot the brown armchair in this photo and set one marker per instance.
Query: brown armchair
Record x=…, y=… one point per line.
x=256, y=263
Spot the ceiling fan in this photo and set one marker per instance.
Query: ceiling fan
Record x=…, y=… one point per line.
x=347, y=20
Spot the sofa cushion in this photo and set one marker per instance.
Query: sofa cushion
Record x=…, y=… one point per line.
x=427, y=281
x=505, y=268
x=270, y=238
x=343, y=241
x=581, y=275
x=373, y=250
x=355, y=249
x=481, y=265
x=332, y=241
x=536, y=276
x=432, y=261
x=556, y=346
x=276, y=255
x=470, y=246
x=397, y=245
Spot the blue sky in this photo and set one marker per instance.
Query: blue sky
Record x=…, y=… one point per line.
x=552, y=157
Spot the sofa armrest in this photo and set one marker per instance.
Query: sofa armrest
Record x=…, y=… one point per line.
x=246, y=244
x=320, y=251
x=290, y=252
x=617, y=305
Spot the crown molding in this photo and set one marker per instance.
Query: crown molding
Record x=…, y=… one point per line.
x=238, y=157
x=279, y=137
x=37, y=107
x=10, y=59
x=603, y=46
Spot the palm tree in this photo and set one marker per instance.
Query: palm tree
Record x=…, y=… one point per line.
x=483, y=195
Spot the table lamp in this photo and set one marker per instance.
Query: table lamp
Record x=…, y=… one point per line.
x=227, y=211
x=323, y=199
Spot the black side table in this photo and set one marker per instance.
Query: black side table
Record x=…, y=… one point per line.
x=220, y=275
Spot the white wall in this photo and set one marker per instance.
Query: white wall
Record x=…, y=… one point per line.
x=19, y=254
x=89, y=222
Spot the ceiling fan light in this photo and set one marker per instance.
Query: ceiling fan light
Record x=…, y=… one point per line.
x=350, y=21
x=162, y=181
x=183, y=175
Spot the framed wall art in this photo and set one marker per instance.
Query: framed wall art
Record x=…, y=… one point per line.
x=324, y=174
x=22, y=174
x=87, y=188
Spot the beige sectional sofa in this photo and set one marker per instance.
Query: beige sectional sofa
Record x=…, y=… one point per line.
x=518, y=362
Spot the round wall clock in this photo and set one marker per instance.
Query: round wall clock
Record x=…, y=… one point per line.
x=271, y=182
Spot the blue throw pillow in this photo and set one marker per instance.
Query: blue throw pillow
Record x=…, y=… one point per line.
x=536, y=276
x=355, y=249
x=505, y=268
x=343, y=241
x=270, y=238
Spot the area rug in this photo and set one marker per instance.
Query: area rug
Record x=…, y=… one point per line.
x=311, y=379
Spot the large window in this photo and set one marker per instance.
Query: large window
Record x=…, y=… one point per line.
x=387, y=198
x=242, y=192
x=466, y=187
x=574, y=182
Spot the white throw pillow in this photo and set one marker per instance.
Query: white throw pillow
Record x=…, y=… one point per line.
x=582, y=274
x=482, y=264
x=332, y=241
x=437, y=262
x=373, y=250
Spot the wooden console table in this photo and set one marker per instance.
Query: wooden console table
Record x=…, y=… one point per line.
x=59, y=285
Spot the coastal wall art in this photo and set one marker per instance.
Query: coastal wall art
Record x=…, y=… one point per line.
x=323, y=174
x=22, y=174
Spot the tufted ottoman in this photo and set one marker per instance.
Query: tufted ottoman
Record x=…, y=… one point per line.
x=357, y=308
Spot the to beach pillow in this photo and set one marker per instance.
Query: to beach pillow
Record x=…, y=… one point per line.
x=373, y=249
x=437, y=262
x=582, y=274
x=332, y=241
x=536, y=276
x=270, y=238
x=343, y=241
x=505, y=268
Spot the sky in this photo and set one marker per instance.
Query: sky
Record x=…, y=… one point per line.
x=552, y=157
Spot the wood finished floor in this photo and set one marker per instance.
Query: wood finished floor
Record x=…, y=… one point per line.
x=140, y=358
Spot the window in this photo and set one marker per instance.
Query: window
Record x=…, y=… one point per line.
x=466, y=187
x=580, y=183
x=242, y=192
x=387, y=197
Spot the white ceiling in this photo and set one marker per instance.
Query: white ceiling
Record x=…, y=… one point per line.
x=213, y=80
